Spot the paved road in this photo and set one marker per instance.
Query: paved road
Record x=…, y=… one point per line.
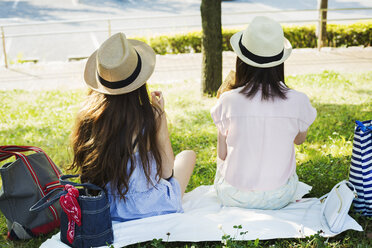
x=175, y=68
x=146, y=18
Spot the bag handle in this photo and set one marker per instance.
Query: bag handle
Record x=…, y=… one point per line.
x=8, y=151
x=362, y=127
x=91, y=186
x=350, y=186
x=49, y=199
x=45, y=202
x=324, y=203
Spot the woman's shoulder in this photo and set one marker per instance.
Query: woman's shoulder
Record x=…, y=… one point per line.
x=231, y=94
x=296, y=95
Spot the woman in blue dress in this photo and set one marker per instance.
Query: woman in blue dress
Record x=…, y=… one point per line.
x=121, y=140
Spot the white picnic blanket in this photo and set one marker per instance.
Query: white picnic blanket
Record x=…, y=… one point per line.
x=204, y=217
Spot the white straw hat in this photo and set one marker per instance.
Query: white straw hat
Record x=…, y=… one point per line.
x=119, y=65
x=262, y=43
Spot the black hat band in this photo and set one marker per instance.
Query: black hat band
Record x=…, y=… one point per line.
x=256, y=58
x=125, y=82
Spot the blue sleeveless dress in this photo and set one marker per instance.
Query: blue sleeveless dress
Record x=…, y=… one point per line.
x=143, y=199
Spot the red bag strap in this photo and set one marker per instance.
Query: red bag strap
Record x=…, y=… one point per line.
x=20, y=148
x=8, y=151
x=4, y=156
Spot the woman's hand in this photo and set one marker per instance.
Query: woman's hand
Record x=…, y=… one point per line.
x=157, y=99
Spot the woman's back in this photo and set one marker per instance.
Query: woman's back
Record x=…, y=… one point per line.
x=259, y=137
x=145, y=197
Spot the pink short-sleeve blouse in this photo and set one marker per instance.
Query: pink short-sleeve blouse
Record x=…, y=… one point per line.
x=259, y=136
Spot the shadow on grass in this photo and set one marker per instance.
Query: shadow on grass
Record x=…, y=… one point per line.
x=335, y=118
x=196, y=131
x=334, y=126
x=364, y=91
x=322, y=172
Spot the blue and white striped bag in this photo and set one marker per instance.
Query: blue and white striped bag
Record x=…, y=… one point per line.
x=361, y=167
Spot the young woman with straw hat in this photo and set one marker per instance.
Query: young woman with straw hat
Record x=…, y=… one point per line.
x=121, y=141
x=259, y=121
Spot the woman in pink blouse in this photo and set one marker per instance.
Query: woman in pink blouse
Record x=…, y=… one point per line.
x=259, y=121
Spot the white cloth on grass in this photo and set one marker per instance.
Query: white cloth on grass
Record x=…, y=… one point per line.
x=203, y=214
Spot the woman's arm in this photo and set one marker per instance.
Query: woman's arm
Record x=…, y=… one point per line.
x=300, y=138
x=221, y=146
x=162, y=137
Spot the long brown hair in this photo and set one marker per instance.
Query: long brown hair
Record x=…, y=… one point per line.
x=102, y=139
x=265, y=79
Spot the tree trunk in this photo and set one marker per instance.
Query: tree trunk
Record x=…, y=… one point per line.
x=211, y=46
x=321, y=32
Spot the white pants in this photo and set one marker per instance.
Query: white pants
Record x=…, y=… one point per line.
x=270, y=199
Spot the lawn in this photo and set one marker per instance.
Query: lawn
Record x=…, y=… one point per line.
x=45, y=119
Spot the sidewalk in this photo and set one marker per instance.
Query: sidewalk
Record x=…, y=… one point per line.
x=181, y=67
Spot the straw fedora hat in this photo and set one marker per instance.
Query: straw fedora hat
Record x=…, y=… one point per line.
x=262, y=43
x=119, y=65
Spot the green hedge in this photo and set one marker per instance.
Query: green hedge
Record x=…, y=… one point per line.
x=357, y=34
x=338, y=35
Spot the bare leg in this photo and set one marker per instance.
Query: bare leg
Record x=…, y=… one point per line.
x=183, y=166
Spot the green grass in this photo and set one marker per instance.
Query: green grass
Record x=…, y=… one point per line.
x=45, y=119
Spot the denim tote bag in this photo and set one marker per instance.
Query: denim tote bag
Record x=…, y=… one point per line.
x=86, y=221
x=361, y=167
